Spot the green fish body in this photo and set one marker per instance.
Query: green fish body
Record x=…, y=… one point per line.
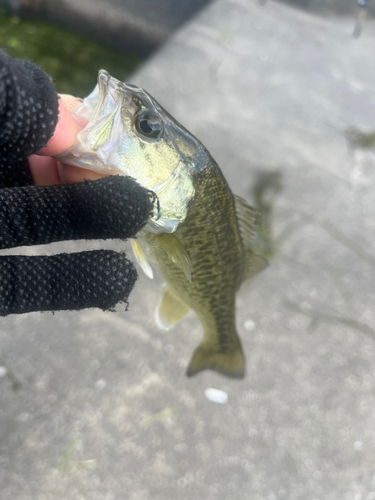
x=200, y=237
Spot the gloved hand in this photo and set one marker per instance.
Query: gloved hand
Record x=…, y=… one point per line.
x=112, y=207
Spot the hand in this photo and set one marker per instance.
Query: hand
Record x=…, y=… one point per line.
x=45, y=170
x=57, y=207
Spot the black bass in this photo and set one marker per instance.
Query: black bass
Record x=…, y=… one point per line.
x=200, y=236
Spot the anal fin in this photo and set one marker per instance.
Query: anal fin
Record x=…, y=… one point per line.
x=170, y=310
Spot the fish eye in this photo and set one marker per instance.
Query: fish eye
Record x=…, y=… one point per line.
x=149, y=124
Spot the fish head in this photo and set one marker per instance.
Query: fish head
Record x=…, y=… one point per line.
x=129, y=133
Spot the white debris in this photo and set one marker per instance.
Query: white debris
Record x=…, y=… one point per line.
x=3, y=371
x=358, y=445
x=100, y=384
x=216, y=396
x=249, y=325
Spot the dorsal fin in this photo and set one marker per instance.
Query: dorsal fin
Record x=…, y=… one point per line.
x=248, y=220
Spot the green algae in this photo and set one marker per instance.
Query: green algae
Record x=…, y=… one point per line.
x=71, y=59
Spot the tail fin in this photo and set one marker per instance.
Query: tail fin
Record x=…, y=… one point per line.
x=227, y=361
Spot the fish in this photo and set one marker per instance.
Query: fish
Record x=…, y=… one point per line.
x=200, y=235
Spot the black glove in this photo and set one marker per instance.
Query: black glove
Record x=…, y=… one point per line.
x=113, y=207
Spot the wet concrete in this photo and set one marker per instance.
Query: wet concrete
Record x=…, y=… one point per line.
x=96, y=405
x=137, y=27
x=337, y=7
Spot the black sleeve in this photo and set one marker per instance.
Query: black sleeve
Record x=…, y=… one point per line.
x=28, y=117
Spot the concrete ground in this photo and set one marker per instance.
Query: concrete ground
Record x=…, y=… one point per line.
x=96, y=405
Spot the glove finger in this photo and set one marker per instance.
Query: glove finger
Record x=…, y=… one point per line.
x=75, y=281
x=14, y=172
x=65, y=133
x=112, y=207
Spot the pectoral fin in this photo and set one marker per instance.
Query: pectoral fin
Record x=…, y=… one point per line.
x=170, y=310
x=176, y=252
x=141, y=259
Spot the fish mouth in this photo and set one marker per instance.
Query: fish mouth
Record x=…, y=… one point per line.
x=109, y=111
x=111, y=94
x=104, y=78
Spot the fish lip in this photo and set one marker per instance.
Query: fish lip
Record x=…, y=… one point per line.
x=132, y=87
x=103, y=75
x=111, y=86
x=104, y=79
